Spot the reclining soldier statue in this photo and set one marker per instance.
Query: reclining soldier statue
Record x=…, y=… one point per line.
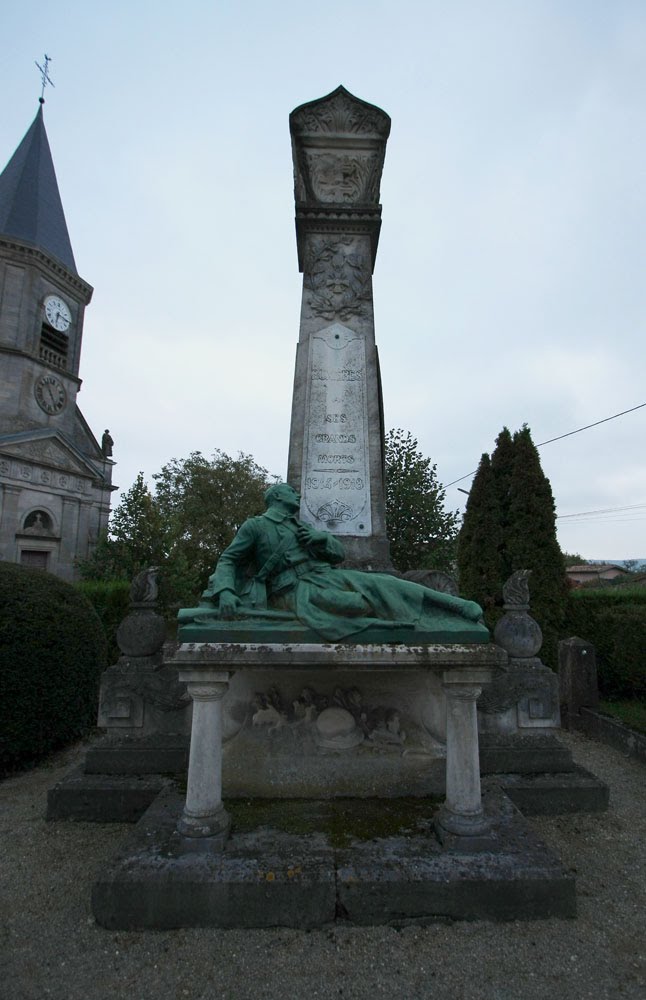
x=277, y=566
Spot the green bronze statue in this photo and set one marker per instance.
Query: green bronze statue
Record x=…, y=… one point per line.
x=278, y=567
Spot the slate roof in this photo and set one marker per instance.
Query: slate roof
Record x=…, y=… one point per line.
x=30, y=204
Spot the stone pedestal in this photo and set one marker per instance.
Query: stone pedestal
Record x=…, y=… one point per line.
x=207, y=667
x=525, y=697
x=139, y=696
x=205, y=823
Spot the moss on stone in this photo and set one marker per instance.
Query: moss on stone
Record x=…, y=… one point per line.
x=340, y=821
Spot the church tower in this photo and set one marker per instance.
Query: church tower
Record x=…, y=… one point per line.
x=55, y=477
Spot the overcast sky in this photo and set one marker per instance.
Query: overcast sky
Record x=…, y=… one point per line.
x=510, y=281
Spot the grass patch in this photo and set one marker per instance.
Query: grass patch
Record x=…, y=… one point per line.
x=631, y=713
x=340, y=820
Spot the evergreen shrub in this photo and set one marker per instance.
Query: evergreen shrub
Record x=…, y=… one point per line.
x=52, y=652
x=510, y=524
x=111, y=601
x=614, y=621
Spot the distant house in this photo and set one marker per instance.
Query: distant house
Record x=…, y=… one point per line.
x=594, y=573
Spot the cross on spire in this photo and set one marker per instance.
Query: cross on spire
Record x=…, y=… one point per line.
x=45, y=78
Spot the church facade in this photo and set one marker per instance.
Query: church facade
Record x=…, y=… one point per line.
x=55, y=476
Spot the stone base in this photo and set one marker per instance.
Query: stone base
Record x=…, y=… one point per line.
x=161, y=753
x=464, y=834
x=454, y=630
x=302, y=874
x=533, y=753
x=553, y=794
x=103, y=798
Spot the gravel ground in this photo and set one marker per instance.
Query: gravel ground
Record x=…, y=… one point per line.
x=51, y=947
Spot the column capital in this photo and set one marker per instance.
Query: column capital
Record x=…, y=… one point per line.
x=202, y=673
x=207, y=690
x=456, y=677
x=462, y=692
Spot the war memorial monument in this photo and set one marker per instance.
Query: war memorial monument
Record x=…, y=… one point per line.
x=310, y=672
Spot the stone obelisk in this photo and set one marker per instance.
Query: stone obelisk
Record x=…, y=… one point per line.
x=336, y=453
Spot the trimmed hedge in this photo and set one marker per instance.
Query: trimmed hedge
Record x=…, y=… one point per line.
x=111, y=601
x=614, y=621
x=52, y=652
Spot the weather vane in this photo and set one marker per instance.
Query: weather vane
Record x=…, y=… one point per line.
x=44, y=74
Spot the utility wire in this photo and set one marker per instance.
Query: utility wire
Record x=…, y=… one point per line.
x=606, y=520
x=595, y=424
x=602, y=510
x=561, y=436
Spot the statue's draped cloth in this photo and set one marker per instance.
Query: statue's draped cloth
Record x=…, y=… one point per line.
x=267, y=567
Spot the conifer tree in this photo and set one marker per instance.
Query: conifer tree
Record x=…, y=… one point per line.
x=510, y=524
x=502, y=466
x=480, y=543
x=531, y=542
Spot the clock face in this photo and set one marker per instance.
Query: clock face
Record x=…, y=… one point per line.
x=50, y=394
x=57, y=313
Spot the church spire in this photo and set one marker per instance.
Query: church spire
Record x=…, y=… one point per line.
x=30, y=203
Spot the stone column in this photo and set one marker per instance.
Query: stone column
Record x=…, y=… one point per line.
x=461, y=822
x=205, y=823
x=337, y=436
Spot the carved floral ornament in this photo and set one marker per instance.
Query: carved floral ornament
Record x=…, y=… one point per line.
x=338, y=278
x=339, y=113
x=339, y=178
x=339, y=143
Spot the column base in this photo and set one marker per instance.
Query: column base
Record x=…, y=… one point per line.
x=463, y=832
x=202, y=833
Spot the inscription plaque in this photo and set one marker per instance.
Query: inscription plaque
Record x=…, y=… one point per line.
x=336, y=481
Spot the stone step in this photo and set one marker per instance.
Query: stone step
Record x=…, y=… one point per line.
x=161, y=753
x=103, y=798
x=523, y=754
x=552, y=794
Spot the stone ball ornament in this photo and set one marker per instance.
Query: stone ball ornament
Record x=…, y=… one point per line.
x=141, y=633
x=517, y=632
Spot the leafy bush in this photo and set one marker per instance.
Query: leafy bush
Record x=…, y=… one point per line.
x=614, y=621
x=52, y=652
x=111, y=601
x=422, y=534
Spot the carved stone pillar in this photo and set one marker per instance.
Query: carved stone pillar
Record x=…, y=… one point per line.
x=336, y=437
x=205, y=823
x=461, y=822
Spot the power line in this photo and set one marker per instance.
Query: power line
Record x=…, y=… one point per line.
x=604, y=520
x=561, y=436
x=602, y=510
x=595, y=424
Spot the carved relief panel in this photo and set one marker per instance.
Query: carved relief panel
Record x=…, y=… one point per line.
x=337, y=277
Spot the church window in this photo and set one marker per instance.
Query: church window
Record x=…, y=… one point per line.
x=53, y=346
